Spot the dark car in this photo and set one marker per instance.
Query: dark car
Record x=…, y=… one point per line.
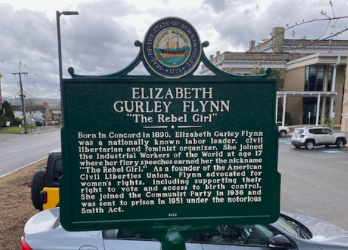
x=40, y=122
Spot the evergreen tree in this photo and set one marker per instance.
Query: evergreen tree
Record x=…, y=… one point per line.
x=8, y=110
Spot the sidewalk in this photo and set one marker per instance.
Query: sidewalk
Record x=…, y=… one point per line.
x=6, y=136
x=42, y=129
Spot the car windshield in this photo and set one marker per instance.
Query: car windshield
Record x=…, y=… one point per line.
x=293, y=228
x=298, y=131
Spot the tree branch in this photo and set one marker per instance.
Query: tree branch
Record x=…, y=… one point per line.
x=312, y=43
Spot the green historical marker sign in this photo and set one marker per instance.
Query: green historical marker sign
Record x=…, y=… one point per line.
x=161, y=151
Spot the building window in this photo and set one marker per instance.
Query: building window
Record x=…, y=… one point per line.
x=329, y=78
x=314, y=78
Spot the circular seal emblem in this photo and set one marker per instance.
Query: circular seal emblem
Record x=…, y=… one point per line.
x=172, y=47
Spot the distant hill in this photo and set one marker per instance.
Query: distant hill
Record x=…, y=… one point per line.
x=17, y=101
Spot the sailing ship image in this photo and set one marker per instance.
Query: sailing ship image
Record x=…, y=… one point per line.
x=172, y=48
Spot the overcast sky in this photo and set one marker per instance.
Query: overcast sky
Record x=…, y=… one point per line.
x=100, y=40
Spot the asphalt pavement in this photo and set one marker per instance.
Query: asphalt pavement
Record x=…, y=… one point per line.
x=20, y=150
x=314, y=182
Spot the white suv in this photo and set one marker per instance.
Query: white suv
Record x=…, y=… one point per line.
x=283, y=131
x=314, y=136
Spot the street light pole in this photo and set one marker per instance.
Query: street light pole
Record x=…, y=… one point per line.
x=58, y=14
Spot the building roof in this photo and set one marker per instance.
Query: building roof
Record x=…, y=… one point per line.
x=35, y=109
x=16, y=108
x=325, y=59
x=278, y=44
x=280, y=53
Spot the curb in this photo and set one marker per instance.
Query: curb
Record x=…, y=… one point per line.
x=22, y=167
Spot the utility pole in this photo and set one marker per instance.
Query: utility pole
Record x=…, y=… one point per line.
x=22, y=99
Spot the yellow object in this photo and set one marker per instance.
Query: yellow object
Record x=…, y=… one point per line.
x=52, y=197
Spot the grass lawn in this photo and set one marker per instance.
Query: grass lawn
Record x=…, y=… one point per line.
x=15, y=205
x=16, y=129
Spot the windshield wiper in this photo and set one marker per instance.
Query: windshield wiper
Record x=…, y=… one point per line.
x=299, y=230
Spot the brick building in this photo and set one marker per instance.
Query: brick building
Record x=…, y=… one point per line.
x=314, y=74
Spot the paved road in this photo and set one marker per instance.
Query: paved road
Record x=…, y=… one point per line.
x=17, y=151
x=314, y=182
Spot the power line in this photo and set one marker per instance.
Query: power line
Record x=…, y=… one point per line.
x=20, y=64
x=35, y=74
x=8, y=62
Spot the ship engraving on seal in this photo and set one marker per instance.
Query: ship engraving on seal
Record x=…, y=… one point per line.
x=172, y=47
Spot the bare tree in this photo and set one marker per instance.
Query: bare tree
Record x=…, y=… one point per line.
x=331, y=21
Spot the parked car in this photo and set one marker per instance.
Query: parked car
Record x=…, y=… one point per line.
x=290, y=231
x=283, y=131
x=45, y=183
x=315, y=136
x=40, y=122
